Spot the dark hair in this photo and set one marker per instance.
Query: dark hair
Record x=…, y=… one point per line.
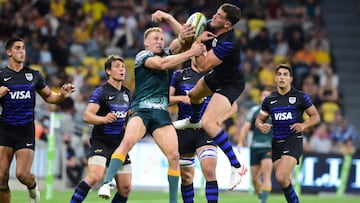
x=285, y=66
x=233, y=12
x=110, y=59
x=11, y=41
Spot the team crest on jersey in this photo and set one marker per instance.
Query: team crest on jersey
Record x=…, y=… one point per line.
x=126, y=97
x=214, y=42
x=292, y=100
x=29, y=76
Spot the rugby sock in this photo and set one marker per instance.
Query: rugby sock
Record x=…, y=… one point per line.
x=118, y=198
x=32, y=187
x=290, y=194
x=173, y=178
x=187, y=193
x=212, y=191
x=221, y=139
x=80, y=192
x=264, y=194
x=196, y=112
x=117, y=160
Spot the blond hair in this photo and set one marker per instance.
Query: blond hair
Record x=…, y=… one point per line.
x=152, y=29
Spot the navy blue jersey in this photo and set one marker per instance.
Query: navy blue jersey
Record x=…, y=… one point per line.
x=183, y=81
x=18, y=104
x=111, y=100
x=285, y=110
x=227, y=48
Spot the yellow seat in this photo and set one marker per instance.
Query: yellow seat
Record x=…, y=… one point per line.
x=70, y=70
x=89, y=60
x=38, y=68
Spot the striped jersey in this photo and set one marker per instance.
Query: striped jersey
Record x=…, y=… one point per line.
x=285, y=110
x=113, y=100
x=19, y=103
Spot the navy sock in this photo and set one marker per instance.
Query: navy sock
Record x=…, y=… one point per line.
x=118, y=198
x=221, y=139
x=80, y=192
x=212, y=191
x=187, y=193
x=290, y=194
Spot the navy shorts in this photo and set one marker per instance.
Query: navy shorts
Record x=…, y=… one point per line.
x=192, y=139
x=105, y=146
x=231, y=89
x=17, y=137
x=292, y=146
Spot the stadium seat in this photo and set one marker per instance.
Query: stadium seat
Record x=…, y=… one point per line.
x=38, y=68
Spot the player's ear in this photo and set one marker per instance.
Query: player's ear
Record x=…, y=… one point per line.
x=227, y=24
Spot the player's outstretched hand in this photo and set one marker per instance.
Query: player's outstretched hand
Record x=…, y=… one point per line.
x=67, y=89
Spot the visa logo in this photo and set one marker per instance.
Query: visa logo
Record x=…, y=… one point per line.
x=20, y=95
x=283, y=116
x=120, y=114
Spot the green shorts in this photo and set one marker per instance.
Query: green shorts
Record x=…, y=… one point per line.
x=153, y=118
x=258, y=154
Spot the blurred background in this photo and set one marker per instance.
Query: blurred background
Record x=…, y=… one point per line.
x=69, y=40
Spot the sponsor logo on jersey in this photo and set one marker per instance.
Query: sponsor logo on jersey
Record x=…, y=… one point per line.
x=6, y=79
x=273, y=102
x=126, y=98
x=111, y=97
x=283, y=116
x=186, y=78
x=214, y=42
x=20, y=95
x=29, y=76
x=292, y=100
x=120, y=114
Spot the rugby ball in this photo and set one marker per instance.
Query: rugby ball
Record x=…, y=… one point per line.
x=198, y=21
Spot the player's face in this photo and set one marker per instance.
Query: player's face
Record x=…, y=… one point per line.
x=118, y=70
x=154, y=42
x=17, y=52
x=218, y=19
x=283, y=78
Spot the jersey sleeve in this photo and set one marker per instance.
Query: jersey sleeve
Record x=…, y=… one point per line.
x=306, y=101
x=265, y=105
x=175, y=78
x=96, y=95
x=223, y=49
x=40, y=83
x=142, y=56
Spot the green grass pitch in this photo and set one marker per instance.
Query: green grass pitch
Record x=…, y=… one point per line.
x=161, y=197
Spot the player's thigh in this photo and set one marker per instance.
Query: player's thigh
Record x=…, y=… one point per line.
x=135, y=130
x=200, y=90
x=216, y=108
x=6, y=156
x=266, y=167
x=285, y=165
x=24, y=159
x=166, y=139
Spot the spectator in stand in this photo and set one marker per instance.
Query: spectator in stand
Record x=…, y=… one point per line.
x=344, y=135
x=328, y=86
x=320, y=141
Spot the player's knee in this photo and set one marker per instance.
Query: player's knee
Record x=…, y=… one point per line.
x=125, y=189
x=281, y=177
x=173, y=157
x=209, y=156
x=4, y=178
x=93, y=178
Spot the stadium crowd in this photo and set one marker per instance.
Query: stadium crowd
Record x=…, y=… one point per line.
x=68, y=41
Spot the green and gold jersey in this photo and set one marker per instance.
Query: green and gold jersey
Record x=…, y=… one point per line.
x=259, y=139
x=151, y=86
